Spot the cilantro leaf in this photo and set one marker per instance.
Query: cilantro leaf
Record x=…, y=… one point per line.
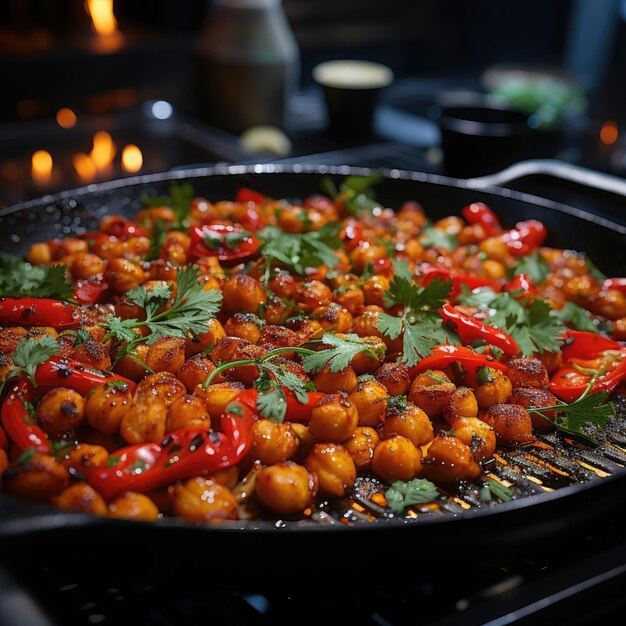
x=578, y=317
x=355, y=192
x=288, y=380
x=431, y=236
x=179, y=200
x=28, y=355
x=19, y=279
x=157, y=239
x=401, y=495
x=534, y=266
x=341, y=353
x=272, y=403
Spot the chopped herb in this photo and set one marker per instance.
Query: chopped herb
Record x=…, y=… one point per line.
x=578, y=317
x=19, y=279
x=235, y=408
x=484, y=375
x=26, y=455
x=399, y=404
x=179, y=200
x=403, y=494
x=534, y=266
x=81, y=336
x=157, y=239
x=137, y=467
x=355, y=192
x=117, y=384
x=494, y=488
x=112, y=461
x=594, y=271
x=431, y=236
x=341, y=352
x=28, y=355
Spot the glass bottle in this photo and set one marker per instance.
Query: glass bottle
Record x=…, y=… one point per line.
x=248, y=65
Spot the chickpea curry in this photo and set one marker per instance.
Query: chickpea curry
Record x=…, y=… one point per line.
x=254, y=358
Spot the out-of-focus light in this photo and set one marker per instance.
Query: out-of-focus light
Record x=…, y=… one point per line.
x=103, y=150
x=66, y=118
x=132, y=159
x=41, y=167
x=609, y=132
x=162, y=110
x=84, y=166
x=102, y=16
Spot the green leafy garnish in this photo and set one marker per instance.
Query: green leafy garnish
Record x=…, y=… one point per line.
x=578, y=317
x=26, y=455
x=179, y=200
x=188, y=315
x=420, y=322
x=157, y=239
x=534, y=266
x=430, y=236
x=355, y=192
x=341, y=353
x=28, y=355
x=594, y=271
x=494, y=488
x=401, y=494
x=137, y=466
x=19, y=279
x=112, y=461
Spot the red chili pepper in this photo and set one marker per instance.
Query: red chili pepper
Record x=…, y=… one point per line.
x=123, y=229
x=295, y=410
x=480, y=213
x=525, y=237
x=213, y=240
x=470, y=329
x=523, y=284
x=248, y=195
x=619, y=284
x=472, y=282
x=17, y=421
x=39, y=312
x=443, y=355
x=580, y=344
x=352, y=234
x=4, y=442
x=89, y=291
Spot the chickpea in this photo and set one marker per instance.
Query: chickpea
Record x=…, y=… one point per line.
x=151, y=215
x=494, y=270
x=511, y=422
x=312, y=295
x=92, y=353
x=334, y=467
x=218, y=396
x=130, y=365
x=366, y=325
x=350, y=297
x=495, y=248
x=370, y=400
x=493, y=387
x=406, y=419
x=536, y=399
x=242, y=293
x=279, y=337
x=334, y=316
x=462, y=403
x=246, y=374
x=39, y=477
x=84, y=456
x=285, y=285
x=10, y=337
x=69, y=245
x=105, y=407
x=334, y=418
x=361, y=446
x=286, y=488
x=525, y=371
x=449, y=460
x=272, y=442
x=166, y=354
x=365, y=363
x=394, y=377
x=227, y=476
x=396, y=458
x=227, y=348
x=82, y=497
x=39, y=254
x=123, y=275
x=215, y=331
x=553, y=360
x=60, y=412
x=365, y=253
x=134, y=506
x=413, y=249
x=431, y=391
x=188, y=412
x=195, y=371
x=331, y=382
x=477, y=435
x=108, y=247
x=86, y=265
x=175, y=247
x=201, y=500
x=243, y=325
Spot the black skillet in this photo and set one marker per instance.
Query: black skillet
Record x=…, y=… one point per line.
x=473, y=538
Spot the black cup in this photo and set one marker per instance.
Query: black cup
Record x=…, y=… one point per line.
x=480, y=134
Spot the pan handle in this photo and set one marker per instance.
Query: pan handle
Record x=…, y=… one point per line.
x=557, y=169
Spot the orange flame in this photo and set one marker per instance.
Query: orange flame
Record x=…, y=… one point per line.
x=41, y=167
x=102, y=16
x=103, y=150
x=132, y=159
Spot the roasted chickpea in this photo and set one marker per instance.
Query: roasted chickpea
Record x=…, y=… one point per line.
x=151, y=215
x=202, y=500
x=246, y=374
x=334, y=316
x=477, y=435
x=243, y=325
x=286, y=488
x=39, y=254
x=273, y=442
x=331, y=382
x=218, y=396
x=92, y=353
x=431, y=391
x=449, y=460
x=374, y=289
x=462, y=403
x=60, y=412
x=511, y=422
x=122, y=275
x=214, y=332
x=82, y=497
x=525, y=371
x=187, y=412
x=370, y=400
x=536, y=399
x=242, y=293
x=334, y=418
x=365, y=253
x=494, y=387
x=166, y=354
x=312, y=295
x=394, y=377
x=361, y=446
x=365, y=363
x=350, y=297
x=195, y=371
x=495, y=248
x=406, y=419
x=396, y=458
x=105, y=407
x=39, y=477
x=334, y=467
x=553, y=360
x=130, y=365
x=83, y=456
x=134, y=506
x=226, y=349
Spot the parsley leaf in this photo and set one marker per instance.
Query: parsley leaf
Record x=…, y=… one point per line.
x=431, y=236
x=594, y=271
x=19, y=279
x=179, y=200
x=342, y=351
x=403, y=494
x=578, y=317
x=533, y=265
x=355, y=192
x=28, y=355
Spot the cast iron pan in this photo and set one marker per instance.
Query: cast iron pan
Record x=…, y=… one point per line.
x=468, y=539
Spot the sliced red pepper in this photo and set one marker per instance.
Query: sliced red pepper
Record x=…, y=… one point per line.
x=90, y=291
x=213, y=240
x=523, y=285
x=469, y=329
x=123, y=229
x=246, y=194
x=352, y=234
x=472, y=282
x=17, y=421
x=480, y=213
x=619, y=284
x=580, y=344
x=444, y=355
x=39, y=312
x=525, y=237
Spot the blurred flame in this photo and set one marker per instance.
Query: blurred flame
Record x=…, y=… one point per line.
x=102, y=16
x=609, y=132
x=41, y=166
x=132, y=159
x=103, y=150
x=84, y=166
x=66, y=118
